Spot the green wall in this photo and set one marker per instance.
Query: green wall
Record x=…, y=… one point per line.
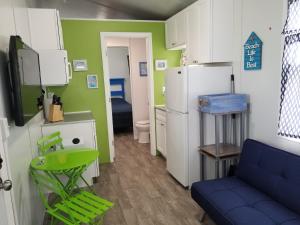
x=82, y=41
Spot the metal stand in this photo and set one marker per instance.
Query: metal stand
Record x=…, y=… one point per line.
x=225, y=151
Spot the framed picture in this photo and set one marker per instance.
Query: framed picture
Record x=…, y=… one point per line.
x=92, y=81
x=143, y=69
x=161, y=64
x=80, y=65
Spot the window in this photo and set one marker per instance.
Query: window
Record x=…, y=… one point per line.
x=289, y=119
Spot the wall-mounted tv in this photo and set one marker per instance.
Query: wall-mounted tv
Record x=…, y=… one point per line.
x=25, y=80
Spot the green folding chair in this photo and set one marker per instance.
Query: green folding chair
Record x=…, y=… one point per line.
x=51, y=143
x=79, y=208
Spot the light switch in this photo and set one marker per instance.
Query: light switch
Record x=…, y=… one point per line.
x=163, y=90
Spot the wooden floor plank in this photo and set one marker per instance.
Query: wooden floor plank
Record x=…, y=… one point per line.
x=145, y=193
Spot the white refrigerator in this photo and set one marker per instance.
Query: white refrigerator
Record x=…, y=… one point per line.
x=183, y=86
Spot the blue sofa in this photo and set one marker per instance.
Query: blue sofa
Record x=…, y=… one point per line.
x=265, y=189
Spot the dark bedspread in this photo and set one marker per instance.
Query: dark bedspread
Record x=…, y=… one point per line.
x=119, y=105
x=122, y=113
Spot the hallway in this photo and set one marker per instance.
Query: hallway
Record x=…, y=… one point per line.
x=142, y=190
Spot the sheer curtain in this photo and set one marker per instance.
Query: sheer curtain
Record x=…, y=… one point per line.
x=289, y=119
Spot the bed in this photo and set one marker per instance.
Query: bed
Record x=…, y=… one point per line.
x=121, y=109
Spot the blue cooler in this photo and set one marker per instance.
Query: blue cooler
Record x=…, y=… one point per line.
x=223, y=103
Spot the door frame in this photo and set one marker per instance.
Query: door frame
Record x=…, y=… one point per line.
x=148, y=37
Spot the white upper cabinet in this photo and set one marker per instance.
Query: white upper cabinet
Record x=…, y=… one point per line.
x=176, y=31
x=54, y=66
x=210, y=27
x=199, y=34
x=170, y=33
x=41, y=29
x=45, y=29
x=22, y=24
x=222, y=30
x=181, y=28
x=205, y=29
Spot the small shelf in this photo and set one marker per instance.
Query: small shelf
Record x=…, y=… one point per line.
x=225, y=150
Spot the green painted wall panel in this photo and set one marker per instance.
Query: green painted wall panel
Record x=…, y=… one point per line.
x=82, y=41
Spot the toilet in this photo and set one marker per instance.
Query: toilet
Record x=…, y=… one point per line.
x=143, y=129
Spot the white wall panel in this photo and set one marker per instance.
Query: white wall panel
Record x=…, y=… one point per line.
x=21, y=144
x=266, y=18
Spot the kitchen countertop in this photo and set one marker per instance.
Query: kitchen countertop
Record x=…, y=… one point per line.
x=73, y=117
x=161, y=107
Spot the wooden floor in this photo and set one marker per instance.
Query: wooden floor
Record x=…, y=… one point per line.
x=142, y=190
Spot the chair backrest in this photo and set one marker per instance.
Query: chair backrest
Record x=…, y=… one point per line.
x=49, y=143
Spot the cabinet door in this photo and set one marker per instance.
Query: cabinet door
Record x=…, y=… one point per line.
x=22, y=24
x=205, y=25
x=161, y=137
x=171, y=33
x=199, y=32
x=181, y=28
x=44, y=29
x=159, y=141
x=54, y=67
x=164, y=139
x=223, y=29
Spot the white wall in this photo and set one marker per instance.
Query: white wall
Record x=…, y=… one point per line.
x=119, y=67
x=266, y=19
x=21, y=142
x=117, y=42
x=22, y=148
x=139, y=85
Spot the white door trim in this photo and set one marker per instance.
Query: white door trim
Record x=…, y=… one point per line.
x=148, y=37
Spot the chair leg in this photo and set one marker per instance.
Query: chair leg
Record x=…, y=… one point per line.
x=52, y=220
x=100, y=221
x=202, y=217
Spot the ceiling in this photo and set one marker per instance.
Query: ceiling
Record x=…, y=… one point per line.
x=117, y=9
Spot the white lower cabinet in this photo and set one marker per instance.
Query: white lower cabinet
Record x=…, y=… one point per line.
x=77, y=134
x=161, y=132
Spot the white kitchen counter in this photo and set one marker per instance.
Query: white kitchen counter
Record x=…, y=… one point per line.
x=74, y=117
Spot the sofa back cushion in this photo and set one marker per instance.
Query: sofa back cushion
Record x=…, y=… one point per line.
x=272, y=171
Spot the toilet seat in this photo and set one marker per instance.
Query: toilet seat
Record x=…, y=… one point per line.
x=143, y=122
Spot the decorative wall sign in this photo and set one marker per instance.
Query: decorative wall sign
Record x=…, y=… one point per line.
x=253, y=53
x=92, y=81
x=80, y=65
x=161, y=64
x=143, y=69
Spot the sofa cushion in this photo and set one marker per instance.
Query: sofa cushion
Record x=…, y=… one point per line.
x=272, y=171
x=231, y=201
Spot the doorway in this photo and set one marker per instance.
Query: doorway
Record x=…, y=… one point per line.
x=137, y=88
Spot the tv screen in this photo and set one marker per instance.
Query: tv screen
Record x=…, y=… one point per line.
x=25, y=80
